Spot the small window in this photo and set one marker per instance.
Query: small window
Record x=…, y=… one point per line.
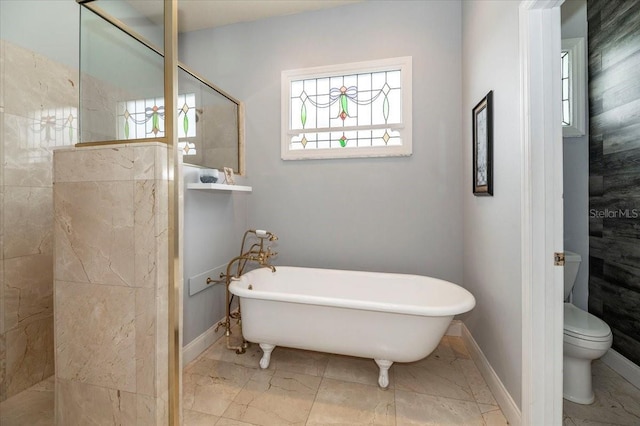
x=573, y=87
x=351, y=110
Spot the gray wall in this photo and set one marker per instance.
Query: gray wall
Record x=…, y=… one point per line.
x=389, y=214
x=49, y=27
x=492, y=227
x=144, y=22
x=614, y=170
x=576, y=168
x=213, y=226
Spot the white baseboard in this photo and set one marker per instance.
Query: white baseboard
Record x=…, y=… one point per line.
x=198, y=345
x=621, y=365
x=503, y=398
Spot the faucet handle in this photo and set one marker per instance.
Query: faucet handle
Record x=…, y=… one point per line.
x=270, y=253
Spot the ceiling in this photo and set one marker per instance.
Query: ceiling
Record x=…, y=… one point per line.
x=199, y=14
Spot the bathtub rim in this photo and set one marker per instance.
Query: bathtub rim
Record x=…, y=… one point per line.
x=466, y=304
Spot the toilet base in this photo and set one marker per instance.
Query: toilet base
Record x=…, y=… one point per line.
x=587, y=401
x=577, y=381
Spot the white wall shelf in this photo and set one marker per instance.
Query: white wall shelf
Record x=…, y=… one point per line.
x=219, y=187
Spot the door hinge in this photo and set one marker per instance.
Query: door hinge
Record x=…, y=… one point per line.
x=558, y=259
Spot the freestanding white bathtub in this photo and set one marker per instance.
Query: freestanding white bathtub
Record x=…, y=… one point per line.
x=387, y=317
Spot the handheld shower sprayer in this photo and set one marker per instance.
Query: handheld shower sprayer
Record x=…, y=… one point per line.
x=261, y=233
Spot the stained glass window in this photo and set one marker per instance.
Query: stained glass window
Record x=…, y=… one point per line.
x=351, y=110
x=187, y=148
x=144, y=118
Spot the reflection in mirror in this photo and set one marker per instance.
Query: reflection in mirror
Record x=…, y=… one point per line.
x=209, y=124
x=123, y=100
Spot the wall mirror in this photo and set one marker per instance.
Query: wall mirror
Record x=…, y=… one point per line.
x=210, y=124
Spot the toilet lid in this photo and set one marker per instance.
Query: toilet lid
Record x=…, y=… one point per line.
x=579, y=323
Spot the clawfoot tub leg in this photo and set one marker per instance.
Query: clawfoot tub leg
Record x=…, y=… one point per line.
x=266, y=354
x=383, y=378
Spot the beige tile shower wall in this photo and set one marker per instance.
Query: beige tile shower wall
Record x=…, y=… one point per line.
x=38, y=104
x=110, y=270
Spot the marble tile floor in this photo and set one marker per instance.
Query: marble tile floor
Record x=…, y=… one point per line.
x=33, y=406
x=617, y=401
x=310, y=388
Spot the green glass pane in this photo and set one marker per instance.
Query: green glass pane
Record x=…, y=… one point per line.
x=126, y=129
x=303, y=114
x=155, y=123
x=344, y=104
x=185, y=124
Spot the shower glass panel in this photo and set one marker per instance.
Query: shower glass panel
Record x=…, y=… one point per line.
x=121, y=84
x=208, y=124
x=145, y=17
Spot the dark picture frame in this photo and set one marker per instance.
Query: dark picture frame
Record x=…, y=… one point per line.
x=482, y=118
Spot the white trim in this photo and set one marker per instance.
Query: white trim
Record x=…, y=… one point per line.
x=621, y=365
x=541, y=209
x=198, y=345
x=503, y=397
x=404, y=64
x=577, y=86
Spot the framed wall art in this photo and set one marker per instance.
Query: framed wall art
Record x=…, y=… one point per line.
x=483, y=146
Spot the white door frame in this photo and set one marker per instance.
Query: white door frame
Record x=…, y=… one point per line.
x=542, y=222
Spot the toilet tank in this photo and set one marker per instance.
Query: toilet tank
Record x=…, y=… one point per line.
x=571, y=266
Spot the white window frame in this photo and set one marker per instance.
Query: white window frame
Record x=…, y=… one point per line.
x=577, y=87
x=405, y=127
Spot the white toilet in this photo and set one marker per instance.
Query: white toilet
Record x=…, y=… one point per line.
x=586, y=337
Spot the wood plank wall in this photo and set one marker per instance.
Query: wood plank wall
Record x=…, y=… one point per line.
x=614, y=169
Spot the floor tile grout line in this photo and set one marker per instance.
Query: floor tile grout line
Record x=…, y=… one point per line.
x=471, y=389
x=315, y=397
x=324, y=376
x=395, y=405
